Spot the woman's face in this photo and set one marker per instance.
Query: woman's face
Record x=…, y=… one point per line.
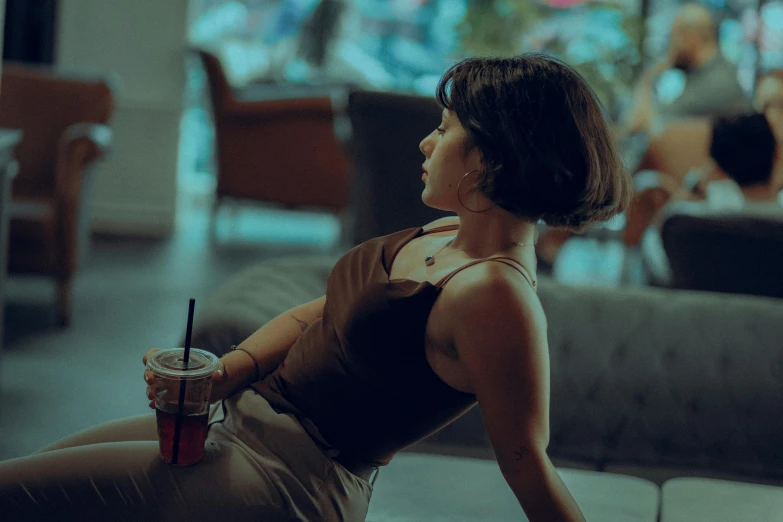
x=445, y=163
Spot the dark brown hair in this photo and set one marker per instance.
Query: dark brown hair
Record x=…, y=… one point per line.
x=546, y=149
x=744, y=148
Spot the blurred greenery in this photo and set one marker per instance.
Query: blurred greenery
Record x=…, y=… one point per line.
x=598, y=39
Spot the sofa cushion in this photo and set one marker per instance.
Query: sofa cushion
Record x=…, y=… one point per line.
x=663, y=378
x=255, y=296
x=436, y=488
x=711, y=500
x=660, y=474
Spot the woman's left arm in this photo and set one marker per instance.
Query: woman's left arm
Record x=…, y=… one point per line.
x=499, y=331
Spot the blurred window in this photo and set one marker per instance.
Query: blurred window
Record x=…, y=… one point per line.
x=406, y=45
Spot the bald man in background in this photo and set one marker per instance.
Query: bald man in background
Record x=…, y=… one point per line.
x=711, y=86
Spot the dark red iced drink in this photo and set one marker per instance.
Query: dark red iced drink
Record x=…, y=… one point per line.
x=193, y=433
x=182, y=402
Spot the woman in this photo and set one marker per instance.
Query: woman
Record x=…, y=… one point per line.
x=415, y=329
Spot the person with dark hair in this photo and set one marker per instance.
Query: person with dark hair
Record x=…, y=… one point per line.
x=741, y=169
x=741, y=173
x=744, y=150
x=415, y=329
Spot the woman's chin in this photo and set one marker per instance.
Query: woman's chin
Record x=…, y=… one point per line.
x=428, y=200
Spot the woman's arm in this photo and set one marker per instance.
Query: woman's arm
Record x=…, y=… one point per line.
x=498, y=328
x=642, y=110
x=268, y=345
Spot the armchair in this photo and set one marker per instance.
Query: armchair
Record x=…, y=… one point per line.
x=280, y=151
x=64, y=123
x=719, y=251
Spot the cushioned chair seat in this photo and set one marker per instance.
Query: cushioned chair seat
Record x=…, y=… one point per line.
x=418, y=487
x=690, y=499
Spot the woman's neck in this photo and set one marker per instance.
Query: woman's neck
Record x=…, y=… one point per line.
x=485, y=234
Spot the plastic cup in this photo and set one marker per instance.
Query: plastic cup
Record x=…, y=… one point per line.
x=182, y=433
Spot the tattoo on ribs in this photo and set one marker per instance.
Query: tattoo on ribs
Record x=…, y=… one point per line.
x=522, y=453
x=302, y=325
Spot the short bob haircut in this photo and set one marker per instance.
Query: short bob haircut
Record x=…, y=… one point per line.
x=545, y=145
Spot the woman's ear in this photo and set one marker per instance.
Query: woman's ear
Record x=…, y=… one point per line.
x=472, y=157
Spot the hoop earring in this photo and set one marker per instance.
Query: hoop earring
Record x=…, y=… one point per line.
x=459, y=197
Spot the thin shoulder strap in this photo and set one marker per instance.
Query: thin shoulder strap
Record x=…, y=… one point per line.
x=510, y=261
x=443, y=228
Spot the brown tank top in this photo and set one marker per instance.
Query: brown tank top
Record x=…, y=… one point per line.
x=360, y=372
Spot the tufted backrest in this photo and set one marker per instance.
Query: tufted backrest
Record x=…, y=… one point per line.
x=643, y=376
x=666, y=378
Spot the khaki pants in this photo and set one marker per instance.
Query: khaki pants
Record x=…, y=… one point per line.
x=259, y=465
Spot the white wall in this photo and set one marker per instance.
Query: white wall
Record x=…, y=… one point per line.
x=143, y=42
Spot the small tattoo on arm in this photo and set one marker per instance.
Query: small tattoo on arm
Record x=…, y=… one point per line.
x=522, y=452
x=302, y=325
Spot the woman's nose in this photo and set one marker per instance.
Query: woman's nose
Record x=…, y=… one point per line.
x=425, y=146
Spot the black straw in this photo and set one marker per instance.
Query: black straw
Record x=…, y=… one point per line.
x=184, y=381
x=191, y=307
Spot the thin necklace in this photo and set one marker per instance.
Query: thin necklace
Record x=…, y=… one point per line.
x=430, y=260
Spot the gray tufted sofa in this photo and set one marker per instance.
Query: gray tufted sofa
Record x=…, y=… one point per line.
x=666, y=405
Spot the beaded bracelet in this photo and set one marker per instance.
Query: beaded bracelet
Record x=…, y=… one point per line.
x=255, y=363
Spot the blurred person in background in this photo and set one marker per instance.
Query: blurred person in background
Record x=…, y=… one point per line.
x=743, y=173
x=744, y=154
x=711, y=85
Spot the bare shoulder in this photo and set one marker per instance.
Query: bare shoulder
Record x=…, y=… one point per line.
x=495, y=289
x=442, y=222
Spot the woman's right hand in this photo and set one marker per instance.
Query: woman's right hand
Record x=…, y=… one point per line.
x=149, y=378
x=221, y=385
